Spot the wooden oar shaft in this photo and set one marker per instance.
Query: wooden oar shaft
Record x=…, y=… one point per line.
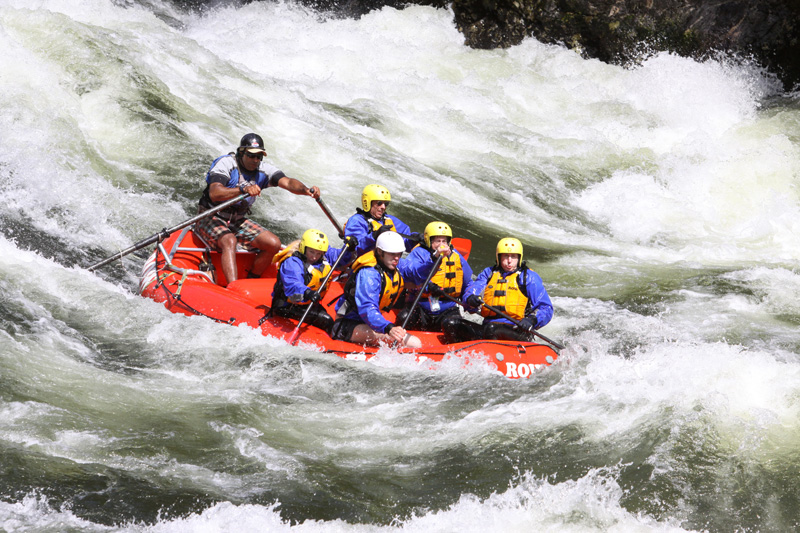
x=164, y=233
x=331, y=217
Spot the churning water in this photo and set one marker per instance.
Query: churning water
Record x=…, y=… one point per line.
x=659, y=204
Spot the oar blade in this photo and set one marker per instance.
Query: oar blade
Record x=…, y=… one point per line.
x=464, y=246
x=293, y=337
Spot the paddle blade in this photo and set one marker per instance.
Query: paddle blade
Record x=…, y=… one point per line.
x=293, y=337
x=464, y=246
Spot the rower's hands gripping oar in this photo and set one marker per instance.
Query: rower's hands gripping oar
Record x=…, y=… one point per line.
x=164, y=233
x=316, y=296
x=433, y=271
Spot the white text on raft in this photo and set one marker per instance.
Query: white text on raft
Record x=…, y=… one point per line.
x=523, y=370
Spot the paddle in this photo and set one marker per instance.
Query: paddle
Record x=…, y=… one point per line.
x=164, y=233
x=422, y=289
x=508, y=317
x=464, y=246
x=296, y=333
x=331, y=217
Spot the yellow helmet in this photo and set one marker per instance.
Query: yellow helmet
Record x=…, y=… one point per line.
x=508, y=245
x=313, y=238
x=374, y=192
x=435, y=229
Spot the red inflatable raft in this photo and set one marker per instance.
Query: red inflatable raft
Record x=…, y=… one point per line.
x=182, y=273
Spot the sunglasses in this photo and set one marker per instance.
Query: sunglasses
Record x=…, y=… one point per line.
x=258, y=156
x=380, y=202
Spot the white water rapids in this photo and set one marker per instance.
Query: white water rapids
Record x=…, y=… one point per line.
x=659, y=204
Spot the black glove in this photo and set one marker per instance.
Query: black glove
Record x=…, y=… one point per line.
x=415, y=237
x=350, y=242
x=382, y=229
x=311, y=296
x=528, y=323
x=473, y=300
x=435, y=290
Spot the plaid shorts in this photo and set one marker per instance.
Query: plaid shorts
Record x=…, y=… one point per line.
x=212, y=228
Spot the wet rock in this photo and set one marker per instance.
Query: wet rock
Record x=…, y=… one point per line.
x=624, y=31
x=615, y=31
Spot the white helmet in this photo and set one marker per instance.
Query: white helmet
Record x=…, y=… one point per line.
x=391, y=242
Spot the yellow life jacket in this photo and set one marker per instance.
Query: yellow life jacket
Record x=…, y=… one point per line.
x=376, y=224
x=450, y=276
x=316, y=276
x=391, y=281
x=312, y=276
x=286, y=252
x=506, y=294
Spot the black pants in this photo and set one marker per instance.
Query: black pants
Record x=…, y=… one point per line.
x=457, y=329
x=317, y=316
x=421, y=320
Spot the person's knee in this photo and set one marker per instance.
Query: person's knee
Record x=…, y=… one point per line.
x=401, y=316
x=227, y=241
x=503, y=332
x=363, y=334
x=450, y=323
x=324, y=321
x=267, y=241
x=453, y=329
x=492, y=330
x=413, y=342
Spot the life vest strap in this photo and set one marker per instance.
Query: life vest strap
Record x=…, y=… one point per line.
x=228, y=216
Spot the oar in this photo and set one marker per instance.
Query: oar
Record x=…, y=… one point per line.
x=164, y=233
x=422, y=289
x=296, y=333
x=508, y=317
x=331, y=217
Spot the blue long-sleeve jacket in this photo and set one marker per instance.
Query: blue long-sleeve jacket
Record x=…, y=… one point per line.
x=368, y=298
x=293, y=275
x=540, y=303
x=359, y=227
x=415, y=268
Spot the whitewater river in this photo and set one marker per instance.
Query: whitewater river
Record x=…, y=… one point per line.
x=659, y=204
